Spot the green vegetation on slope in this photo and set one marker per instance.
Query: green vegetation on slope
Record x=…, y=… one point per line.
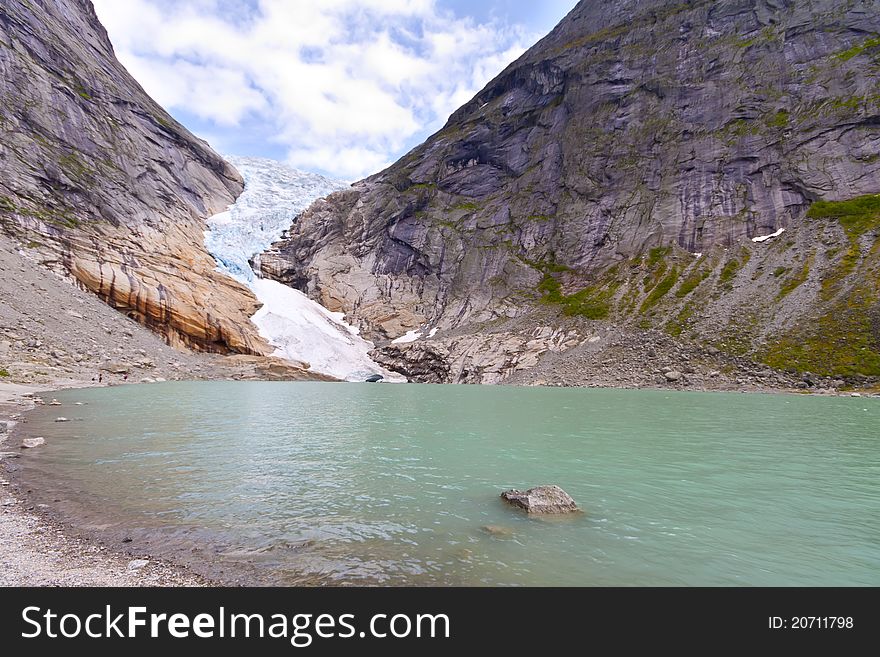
x=845, y=339
x=778, y=120
x=692, y=282
x=858, y=49
x=593, y=302
x=660, y=290
x=857, y=215
x=656, y=255
x=729, y=271
x=844, y=343
x=794, y=281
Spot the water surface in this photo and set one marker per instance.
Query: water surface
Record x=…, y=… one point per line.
x=393, y=484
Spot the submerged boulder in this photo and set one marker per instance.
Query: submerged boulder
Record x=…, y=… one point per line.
x=541, y=499
x=30, y=443
x=498, y=531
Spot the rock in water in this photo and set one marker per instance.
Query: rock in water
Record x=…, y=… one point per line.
x=498, y=531
x=375, y=378
x=30, y=443
x=541, y=500
x=61, y=419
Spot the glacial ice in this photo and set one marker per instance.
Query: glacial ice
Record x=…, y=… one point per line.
x=274, y=195
x=300, y=329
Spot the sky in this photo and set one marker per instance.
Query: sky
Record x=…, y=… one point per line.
x=338, y=87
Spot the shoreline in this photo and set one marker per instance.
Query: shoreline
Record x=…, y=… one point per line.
x=39, y=550
x=38, y=547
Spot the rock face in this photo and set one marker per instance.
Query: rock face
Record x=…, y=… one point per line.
x=541, y=500
x=99, y=182
x=631, y=168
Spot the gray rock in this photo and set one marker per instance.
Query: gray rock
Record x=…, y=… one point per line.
x=116, y=368
x=61, y=419
x=541, y=500
x=30, y=443
x=673, y=376
x=137, y=564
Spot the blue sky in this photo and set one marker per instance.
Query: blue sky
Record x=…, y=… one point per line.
x=340, y=87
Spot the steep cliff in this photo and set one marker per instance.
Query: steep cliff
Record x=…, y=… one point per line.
x=98, y=181
x=618, y=173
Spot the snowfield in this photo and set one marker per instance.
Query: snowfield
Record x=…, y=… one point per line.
x=300, y=329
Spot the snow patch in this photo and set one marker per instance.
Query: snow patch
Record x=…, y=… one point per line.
x=764, y=238
x=411, y=336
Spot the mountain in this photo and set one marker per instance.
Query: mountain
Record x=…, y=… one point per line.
x=654, y=181
x=100, y=184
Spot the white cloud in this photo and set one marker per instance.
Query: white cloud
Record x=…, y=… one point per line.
x=345, y=85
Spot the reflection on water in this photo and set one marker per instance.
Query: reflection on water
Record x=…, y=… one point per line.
x=379, y=484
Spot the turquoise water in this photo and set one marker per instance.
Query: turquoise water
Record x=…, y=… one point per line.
x=393, y=484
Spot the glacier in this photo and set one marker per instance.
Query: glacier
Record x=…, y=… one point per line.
x=274, y=195
x=299, y=328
